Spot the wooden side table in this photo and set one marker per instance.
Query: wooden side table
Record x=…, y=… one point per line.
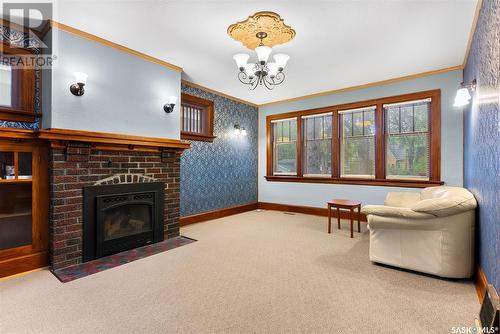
x=344, y=204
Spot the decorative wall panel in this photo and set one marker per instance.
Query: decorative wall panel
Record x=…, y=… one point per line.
x=482, y=136
x=223, y=173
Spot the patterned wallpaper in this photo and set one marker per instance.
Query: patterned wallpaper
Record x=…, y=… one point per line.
x=21, y=39
x=482, y=136
x=223, y=173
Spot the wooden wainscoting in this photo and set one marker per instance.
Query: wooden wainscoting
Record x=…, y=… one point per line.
x=209, y=215
x=308, y=210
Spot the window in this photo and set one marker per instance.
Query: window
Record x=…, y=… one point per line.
x=285, y=147
x=5, y=85
x=197, y=116
x=407, y=140
x=392, y=141
x=358, y=142
x=318, y=144
x=17, y=86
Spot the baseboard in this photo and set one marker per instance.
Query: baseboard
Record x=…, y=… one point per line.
x=24, y=263
x=308, y=210
x=24, y=273
x=481, y=283
x=204, y=216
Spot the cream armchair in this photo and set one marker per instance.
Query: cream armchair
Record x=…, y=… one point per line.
x=431, y=231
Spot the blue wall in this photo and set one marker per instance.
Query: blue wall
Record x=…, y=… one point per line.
x=482, y=136
x=222, y=173
x=317, y=194
x=124, y=94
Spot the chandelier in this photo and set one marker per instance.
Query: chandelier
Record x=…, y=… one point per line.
x=262, y=73
x=260, y=32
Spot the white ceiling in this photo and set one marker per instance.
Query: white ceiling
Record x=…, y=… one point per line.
x=338, y=43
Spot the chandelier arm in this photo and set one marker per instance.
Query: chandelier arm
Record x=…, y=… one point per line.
x=261, y=78
x=269, y=83
x=255, y=83
x=280, y=77
x=243, y=77
x=250, y=82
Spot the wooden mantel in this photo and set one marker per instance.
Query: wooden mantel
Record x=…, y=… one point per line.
x=99, y=140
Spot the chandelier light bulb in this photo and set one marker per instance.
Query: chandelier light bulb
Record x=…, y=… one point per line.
x=241, y=60
x=281, y=59
x=263, y=53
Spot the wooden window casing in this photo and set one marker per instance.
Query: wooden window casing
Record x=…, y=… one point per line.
x=197, y=118
x=434, y=129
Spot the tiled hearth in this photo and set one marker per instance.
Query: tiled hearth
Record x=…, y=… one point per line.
x=79, y=164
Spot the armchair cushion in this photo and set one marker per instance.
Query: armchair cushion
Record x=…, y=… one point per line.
x=401, y=199
x=446, y=201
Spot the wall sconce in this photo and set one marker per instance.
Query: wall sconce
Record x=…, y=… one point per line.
x=463, y=93
x=80, y=81
x=239, y=131
x=170, y=105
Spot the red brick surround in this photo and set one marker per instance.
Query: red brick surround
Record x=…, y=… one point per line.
x=78, y=165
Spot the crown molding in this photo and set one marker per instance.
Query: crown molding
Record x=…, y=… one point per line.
x=213, y=91
x=368, y=85
x=472, y=30
x=86, y=35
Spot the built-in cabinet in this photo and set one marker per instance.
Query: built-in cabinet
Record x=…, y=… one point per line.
x=24, y=203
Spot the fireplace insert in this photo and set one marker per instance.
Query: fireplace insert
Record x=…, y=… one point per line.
x=119, y=217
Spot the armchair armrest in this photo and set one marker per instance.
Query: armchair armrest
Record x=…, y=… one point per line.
x=392, y=211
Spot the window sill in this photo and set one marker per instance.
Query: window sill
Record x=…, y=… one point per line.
x=17, y=115
x=356, y=181
x=197, y=136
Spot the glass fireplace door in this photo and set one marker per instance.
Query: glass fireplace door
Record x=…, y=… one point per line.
x=126, y=220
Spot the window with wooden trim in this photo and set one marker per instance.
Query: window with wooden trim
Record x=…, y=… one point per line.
x=392, y=141
x=357, y=142
x=407, y=139
x=197, y=117
x=317, y=144
x=17, y=85
x=285, y=147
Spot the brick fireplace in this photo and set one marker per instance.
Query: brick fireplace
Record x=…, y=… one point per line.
x=78, y=161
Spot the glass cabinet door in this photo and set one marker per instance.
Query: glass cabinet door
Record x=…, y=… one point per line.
x=15, y=199
x=15, y=215
x=24, y=165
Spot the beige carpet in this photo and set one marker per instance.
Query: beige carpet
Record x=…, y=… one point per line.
x=257, y=272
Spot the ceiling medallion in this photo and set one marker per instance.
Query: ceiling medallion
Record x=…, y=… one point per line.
x=260, y=32
x=268, y=22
